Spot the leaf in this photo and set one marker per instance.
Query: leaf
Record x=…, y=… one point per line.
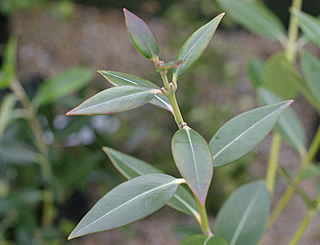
x=243, y=217
x=61, y=85
x=116, y=99
x=311, y=171
x=255, y=72
x=141, y=35
x=17, y=155
x=244, y=132
x=8, y=70
x=6, y=111
x=193, y=158
x=289, y=125
x=281, y=77
x=169, y=65
x=309, y=25
x=131, y=167
x=311, y=70
x=203, y=240
x=121, y=79
x=128, y=202
x=195, y=45
x=255, y=17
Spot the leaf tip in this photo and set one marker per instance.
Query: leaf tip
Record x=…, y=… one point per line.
x=69, y=113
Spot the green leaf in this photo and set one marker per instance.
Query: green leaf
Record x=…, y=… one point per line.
x=289, y=125
x=8, y=70
x=203, y=240
x=116, y=99
x=195, y=45
x=6, y=111
x=243, y=217
x=311, y=171
x=255, y=72
x=244, y=132
x=141, y=35
x=131, y=167
x=281, y=77
x=121, y=79
x=17, y=155
x=255, y=17
x=309, y=25
x=311, y=70
x=193, y=158
x=63, y=84
x=128, y=202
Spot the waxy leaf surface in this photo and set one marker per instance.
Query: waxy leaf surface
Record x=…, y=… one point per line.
x=255, y=17
x=203, y=240
x=63, y=84
x=122, y=79
x=131, y=167
x=309, y=25
x=243, y=217
x=141, y=35
x=288, y=125
x=195, y=45
x=193, y=158
x=114, y=100
x=244, y=132
x=311, y=69
x=128, y=202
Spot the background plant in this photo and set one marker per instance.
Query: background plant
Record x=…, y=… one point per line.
x=147, y=188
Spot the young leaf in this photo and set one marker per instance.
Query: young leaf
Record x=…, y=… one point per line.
x=121, y=79
x=244, y=132
x=311, y=69
x=6, y=110
x=203, y=240
x=195, y=45
x=255, y=72
x=281, y=77
x=289, y=125
x=128, y=202
x=309, y=25
x=63, y=84
x=255, y=17
x=243, y=217
x=141, y=35
x=193, y=158
x=8, y=70
x=114, y=100
x=131, y=167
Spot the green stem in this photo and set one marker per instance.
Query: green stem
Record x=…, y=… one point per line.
x=273, y=162
x=314, y=147
x=42, y=148
x=205, y=227
x=293, y=33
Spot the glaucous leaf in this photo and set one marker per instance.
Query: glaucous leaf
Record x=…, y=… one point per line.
x=311, y=70
x=121, y=79
x=141, y=35
x=203, y=240
x=313, y=170
x=8, y=70
x=309, y=25
x=255, y=72
x=244, y=132
x=255, y=17
x=128, y=202
x=281, y=77
x=116, y=99
x=6, y=111
x=131, y=167
x=193, y=158
x=63, y=84
x=243, y=217
x=289, y=125
x=195, y=45
x=17, y=155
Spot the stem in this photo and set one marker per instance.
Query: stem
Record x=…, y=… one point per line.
x=42, y=148
x=205, y=227
x=291, y=51
x=273, y=162
x=314, y=147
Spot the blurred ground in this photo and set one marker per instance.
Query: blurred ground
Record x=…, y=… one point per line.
x=98, y=38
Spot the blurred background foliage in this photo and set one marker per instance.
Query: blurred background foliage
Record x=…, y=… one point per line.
x=81, y=172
